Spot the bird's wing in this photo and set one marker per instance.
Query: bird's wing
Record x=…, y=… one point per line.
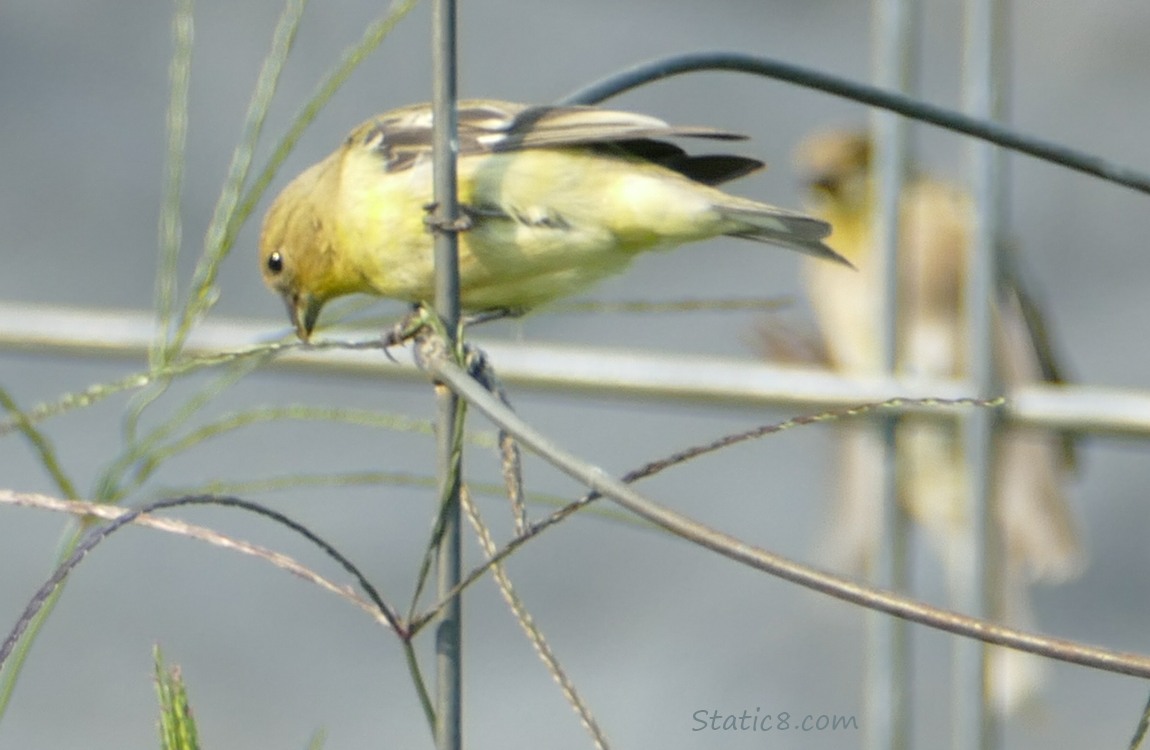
x=403, y=136
x=1027, y=352
x=1014, y=290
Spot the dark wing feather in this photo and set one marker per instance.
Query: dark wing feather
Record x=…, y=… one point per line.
x=713, y=169
x=1015, y=295
x=403, y=136
x=710, y=169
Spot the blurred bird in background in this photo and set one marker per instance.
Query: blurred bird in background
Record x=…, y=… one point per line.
x=554, y=199
x=1032, y=466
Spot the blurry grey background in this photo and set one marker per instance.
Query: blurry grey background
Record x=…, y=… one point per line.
x=650, y=628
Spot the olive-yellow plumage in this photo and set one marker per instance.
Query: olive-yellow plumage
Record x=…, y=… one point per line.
x=1031, y=468
x=556, y=199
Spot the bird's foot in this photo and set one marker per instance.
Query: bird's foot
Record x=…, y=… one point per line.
x=405, y=330
x=435, y=224
x=410, y=326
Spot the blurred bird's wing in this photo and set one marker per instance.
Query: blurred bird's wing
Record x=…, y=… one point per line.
x=1014, y=288
x=403, y=136
x=788, y=342
x=1039, y=528
x=1027, y=352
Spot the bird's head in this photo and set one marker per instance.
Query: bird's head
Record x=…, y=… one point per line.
x=296, y=255
x=835, y=166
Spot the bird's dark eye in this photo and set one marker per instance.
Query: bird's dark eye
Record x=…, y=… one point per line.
x=275, y=262
x=826, y=185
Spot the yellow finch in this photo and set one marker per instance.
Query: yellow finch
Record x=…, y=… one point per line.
x=1034, y=521
x=556, y=198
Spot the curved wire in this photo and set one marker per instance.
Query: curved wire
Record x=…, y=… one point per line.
x=665, y=67
x=99, y=534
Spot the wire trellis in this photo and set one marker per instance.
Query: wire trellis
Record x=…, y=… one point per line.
x=1077, y=407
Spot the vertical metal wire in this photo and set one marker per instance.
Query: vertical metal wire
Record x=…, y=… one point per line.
x=888, y=666
x=448, y=634
x=984, y=62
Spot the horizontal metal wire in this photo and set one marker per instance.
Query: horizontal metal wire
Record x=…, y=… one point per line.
x=636, y=374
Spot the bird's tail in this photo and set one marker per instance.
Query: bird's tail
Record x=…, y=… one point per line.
x=777, y=226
